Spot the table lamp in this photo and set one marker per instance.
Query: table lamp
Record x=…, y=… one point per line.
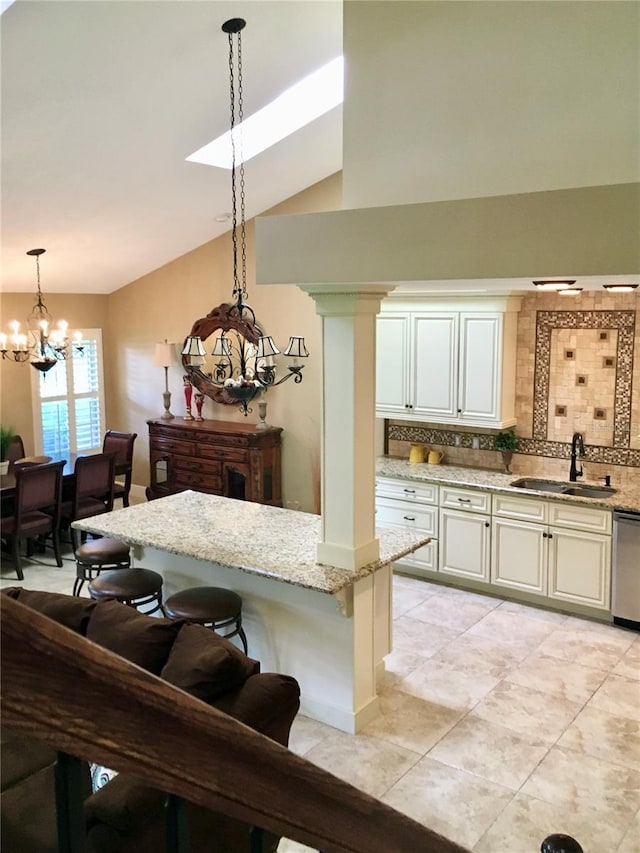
x=164, y=358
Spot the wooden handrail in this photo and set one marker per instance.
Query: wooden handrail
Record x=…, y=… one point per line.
x=83, y=700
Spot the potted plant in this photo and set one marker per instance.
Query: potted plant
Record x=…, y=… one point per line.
x=506, y=442
x=7, y=434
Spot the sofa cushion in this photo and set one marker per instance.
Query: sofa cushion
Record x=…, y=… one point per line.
x=68, y=610
x=206, y=665
x=141, y=639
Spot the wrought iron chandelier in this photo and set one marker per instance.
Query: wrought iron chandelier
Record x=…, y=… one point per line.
x=42, y=346
x=243, y=355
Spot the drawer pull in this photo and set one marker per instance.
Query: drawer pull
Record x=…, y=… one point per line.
x=409, y=517
x=410, y=491
x=465, y=500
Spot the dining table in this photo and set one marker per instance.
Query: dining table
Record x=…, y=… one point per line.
x=8, y=480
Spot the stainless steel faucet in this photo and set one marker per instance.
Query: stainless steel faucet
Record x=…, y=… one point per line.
x=577, y=447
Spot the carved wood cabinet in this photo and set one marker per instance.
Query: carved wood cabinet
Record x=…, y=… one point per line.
x=217, y=457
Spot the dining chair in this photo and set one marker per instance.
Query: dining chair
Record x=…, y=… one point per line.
x=36, y=509
x=15, y=451
x=121, y=443
x=92, y=490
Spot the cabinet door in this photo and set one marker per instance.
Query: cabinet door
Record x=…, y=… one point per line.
x=464, y=544
x=392, y=364
x=580, y=567
x=434, y=374
x=519, y=555
x=479, y=367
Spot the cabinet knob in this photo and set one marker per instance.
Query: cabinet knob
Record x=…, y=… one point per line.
x=459, y=411
x=486, y=524
x=551, y=536
x=545, y=535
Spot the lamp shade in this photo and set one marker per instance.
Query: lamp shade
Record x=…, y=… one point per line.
x=193, y=346
x=222, y=347
x=266, y=347
x=296, y=348
x=164, y=355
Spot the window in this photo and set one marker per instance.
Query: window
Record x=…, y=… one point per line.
x=68, y=402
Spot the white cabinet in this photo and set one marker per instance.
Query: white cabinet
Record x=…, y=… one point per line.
x=464, y=533
x=451, y=366
x=563, y=552
x=403, y=503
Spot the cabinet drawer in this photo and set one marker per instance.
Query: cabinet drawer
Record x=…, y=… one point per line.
x=199, y=482
x=198, y=466
x=407, y=490
x=424, y=519
x=464, y=499
x=172, y=445
x=579, y=517
x=222, y=453
x=523, y=509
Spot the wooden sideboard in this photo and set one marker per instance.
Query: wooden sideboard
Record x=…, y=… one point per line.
x=235, y=460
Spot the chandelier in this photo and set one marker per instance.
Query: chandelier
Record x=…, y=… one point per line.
x=243, y=355
x=42, y=346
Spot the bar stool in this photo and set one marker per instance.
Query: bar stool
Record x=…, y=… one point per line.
x=210, y=606
x=99, y=555
x=135, y=587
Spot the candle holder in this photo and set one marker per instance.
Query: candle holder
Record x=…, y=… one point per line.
x=199, y=401
x=188, y=392
x=262, y=413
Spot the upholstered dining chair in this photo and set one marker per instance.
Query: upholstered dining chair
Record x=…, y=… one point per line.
x=92, y=490
x=36, y=509
x=15, y=451
x=121, y=443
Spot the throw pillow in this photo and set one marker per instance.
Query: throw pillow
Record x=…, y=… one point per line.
x=206, y=665
x=143, y=640
x=68, y=610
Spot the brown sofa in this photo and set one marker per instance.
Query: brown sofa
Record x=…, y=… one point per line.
x=126, y=815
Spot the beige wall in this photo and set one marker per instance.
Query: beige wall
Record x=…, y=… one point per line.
x=165, y=303
x=447, y=100
x=81, y=312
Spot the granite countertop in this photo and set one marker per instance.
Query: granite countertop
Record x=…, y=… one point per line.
x=625, y=498
x=261, y=540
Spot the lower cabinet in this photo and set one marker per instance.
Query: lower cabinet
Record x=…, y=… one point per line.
x=554, y=550
x=559, y=555
x=464, y=533
x=402, y=503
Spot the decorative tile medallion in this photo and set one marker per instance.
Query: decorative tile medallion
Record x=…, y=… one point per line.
x=624, y=323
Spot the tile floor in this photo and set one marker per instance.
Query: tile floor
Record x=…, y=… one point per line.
x=500, y=723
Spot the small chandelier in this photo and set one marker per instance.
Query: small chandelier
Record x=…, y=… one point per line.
x=243, y=355
x=42, y=346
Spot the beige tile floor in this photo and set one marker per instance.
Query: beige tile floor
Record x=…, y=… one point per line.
x=500, y=723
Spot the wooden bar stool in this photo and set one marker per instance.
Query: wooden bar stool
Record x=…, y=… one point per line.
x=99, y=555
x=210, y=606
x=135, y=587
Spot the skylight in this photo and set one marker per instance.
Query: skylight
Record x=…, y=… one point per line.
x=296, y=107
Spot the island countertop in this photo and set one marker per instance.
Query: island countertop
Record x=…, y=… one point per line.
x=261, y=540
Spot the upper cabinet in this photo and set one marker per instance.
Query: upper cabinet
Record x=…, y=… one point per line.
x=447, y=362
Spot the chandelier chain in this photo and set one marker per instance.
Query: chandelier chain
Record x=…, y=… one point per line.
x=243, y=242
x=237, y=172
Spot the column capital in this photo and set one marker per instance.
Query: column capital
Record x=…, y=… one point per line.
x=348, y=299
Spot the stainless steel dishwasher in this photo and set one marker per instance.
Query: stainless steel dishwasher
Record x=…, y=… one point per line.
x=625, y=589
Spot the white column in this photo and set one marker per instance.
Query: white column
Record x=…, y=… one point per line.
x=348, y=314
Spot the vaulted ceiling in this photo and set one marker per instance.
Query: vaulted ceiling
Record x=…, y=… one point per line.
x=101, y=103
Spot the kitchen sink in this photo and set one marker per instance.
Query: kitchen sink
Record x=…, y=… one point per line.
x=579, y=491
x=589, y=491
x=540, y=485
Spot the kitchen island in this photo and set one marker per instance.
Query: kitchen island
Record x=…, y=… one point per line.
x=328, y=627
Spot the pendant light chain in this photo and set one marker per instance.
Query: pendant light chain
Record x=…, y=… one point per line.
x=239, y=282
